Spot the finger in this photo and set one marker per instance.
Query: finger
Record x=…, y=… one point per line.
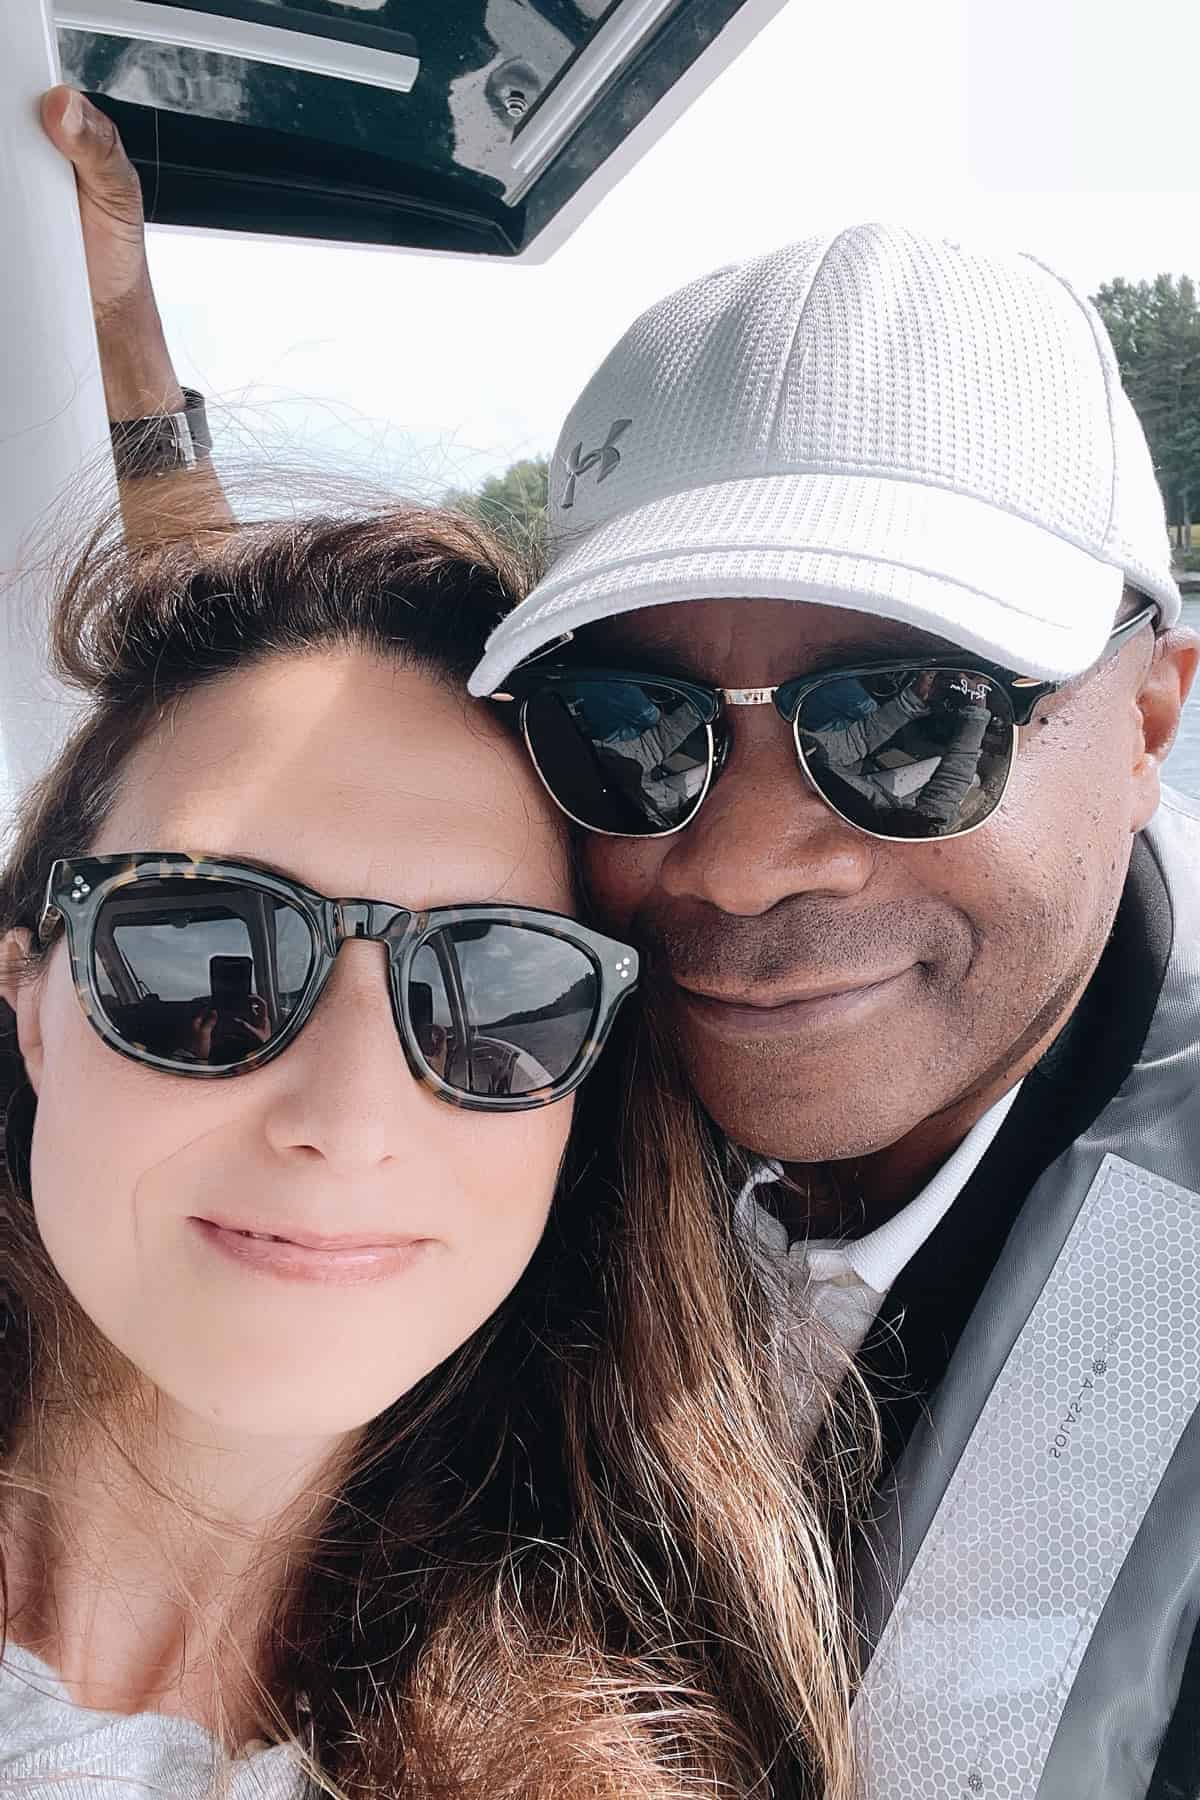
x=91, y=143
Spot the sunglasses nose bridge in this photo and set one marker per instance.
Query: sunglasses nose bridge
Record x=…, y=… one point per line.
x=373, y=919
x=777, y=697
x=759, y=696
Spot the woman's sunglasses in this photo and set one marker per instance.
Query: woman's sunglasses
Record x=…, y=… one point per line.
x=207, y=967
x=915, y=748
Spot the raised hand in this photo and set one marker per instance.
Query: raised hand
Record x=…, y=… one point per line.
x=139, y=379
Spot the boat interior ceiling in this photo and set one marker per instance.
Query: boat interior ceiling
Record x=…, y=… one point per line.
x=483, y=127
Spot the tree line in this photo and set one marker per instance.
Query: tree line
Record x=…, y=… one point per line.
x=1155, y=329
x=513, y=504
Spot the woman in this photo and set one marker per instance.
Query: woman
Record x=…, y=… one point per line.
x=498, y=1499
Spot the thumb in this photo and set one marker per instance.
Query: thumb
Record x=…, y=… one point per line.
x=91, y=143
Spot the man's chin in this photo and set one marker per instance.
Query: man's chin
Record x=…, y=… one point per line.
x=827, y=1141
x=791, y=1108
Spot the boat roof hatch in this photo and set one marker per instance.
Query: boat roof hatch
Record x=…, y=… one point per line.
x=482, y=127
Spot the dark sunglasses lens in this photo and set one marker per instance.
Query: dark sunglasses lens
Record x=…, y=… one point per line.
x=501, y=1009
x=628, y=757
x=199, y=970
x=909, y=753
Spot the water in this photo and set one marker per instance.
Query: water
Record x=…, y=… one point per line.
x=1183, y=764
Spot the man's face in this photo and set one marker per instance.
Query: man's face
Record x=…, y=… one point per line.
x=831, y=991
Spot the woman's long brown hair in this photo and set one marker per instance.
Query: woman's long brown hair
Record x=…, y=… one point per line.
x=586, y=1557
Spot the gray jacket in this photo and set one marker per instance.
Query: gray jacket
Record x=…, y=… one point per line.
x=1037, y=1565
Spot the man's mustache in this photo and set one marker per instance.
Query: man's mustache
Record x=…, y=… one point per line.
x=806, y=935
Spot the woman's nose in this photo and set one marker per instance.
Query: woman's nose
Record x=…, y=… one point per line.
x=343, y=1090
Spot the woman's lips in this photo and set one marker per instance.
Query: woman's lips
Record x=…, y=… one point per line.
x=789, y=1016
x=344, y=1265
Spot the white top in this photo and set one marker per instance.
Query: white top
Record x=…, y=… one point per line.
x=52, y=1749
x=845, y=1283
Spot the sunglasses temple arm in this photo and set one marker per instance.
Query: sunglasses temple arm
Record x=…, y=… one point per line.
x=48, y=924
x=546, y=650
x=1025, y=690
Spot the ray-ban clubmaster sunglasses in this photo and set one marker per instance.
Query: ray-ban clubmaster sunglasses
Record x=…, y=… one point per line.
x=912, y=748
x=210, y=967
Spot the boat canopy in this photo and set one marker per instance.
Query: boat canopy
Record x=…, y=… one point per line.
x=482, y=127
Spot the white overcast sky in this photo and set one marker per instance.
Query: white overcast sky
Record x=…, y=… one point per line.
x=1068, y=126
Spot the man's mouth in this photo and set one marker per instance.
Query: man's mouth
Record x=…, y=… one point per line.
x=779, y=1012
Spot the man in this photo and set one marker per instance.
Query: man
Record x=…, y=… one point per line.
x=951, y=991
x=840, y=532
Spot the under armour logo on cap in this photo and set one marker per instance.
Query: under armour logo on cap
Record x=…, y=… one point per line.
x=606, y=457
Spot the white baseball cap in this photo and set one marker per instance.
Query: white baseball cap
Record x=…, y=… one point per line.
x=877, y=420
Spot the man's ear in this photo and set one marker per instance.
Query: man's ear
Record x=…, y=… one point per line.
x=1159, y=703
x=24, y=996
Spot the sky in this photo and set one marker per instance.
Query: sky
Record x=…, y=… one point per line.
x=1065, y=126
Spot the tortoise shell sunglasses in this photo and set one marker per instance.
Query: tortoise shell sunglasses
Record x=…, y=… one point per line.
x=209, y=967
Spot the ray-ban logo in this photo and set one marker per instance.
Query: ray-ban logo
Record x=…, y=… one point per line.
x=605, y=459
x=976, y=691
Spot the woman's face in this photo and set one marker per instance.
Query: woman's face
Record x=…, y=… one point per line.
x=358, y=777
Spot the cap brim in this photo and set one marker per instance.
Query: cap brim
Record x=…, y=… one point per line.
x=959, y=568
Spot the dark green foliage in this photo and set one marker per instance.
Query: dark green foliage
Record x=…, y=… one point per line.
x=513, y=504
x=1155, y=328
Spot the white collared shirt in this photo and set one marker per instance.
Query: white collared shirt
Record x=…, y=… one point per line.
x=845, y=1282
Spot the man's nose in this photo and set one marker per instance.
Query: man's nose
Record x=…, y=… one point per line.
x=763, y=833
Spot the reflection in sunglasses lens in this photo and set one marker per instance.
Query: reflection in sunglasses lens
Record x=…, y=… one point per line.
x=619, y=756
x=501, y=1009
x=200, y=970
x=914, y=753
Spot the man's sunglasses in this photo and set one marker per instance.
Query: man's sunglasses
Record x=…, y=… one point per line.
x=208, y=967
x=906, y=749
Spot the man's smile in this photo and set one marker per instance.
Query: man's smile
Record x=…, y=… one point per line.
x=761, y=1014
